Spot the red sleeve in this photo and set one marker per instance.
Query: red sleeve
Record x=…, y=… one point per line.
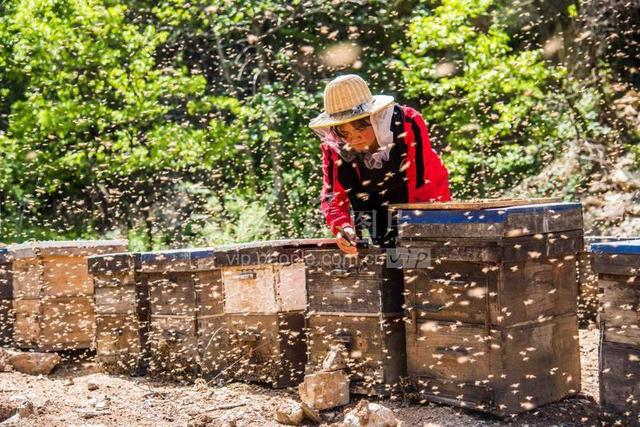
x=334, y=200
x=432, y=176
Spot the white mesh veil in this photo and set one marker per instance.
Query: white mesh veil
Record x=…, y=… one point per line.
x=381, y=122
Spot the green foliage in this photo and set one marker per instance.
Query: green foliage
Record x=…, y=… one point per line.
x=485, y=102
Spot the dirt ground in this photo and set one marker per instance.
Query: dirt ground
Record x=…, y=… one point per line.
x=64, y=399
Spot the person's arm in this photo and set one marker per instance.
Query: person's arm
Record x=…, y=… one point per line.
x=432, y=177
x=335, y=204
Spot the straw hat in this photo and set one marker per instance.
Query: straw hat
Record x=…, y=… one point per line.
x=348, y=98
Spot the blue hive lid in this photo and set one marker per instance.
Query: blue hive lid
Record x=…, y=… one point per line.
x=480, y=216
x=630, y=247
x=176, y=255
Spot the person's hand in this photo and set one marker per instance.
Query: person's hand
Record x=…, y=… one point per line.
x=346, y=240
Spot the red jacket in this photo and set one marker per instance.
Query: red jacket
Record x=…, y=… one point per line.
x=424, y=174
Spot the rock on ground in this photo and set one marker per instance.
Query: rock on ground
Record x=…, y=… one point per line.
x=34, y=363
x=367, y=414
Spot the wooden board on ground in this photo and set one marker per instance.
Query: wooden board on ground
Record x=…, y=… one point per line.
x=375, y=344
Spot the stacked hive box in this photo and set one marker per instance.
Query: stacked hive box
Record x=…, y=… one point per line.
x=6, y=296
x=53, y=293
x=184, y=296
x=264, y=303
x=356, y=301
x=491, y=302
x=618, y=267
x=122, y=313
x=588, y=300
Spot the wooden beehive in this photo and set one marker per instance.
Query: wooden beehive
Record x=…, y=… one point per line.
x=184, y=289
x=6, y=297
x=491, y=298
x=122, y=313
x=618, y=267
x=265, y=348
x=264, y=302
x=53, y=293
x=357, y=302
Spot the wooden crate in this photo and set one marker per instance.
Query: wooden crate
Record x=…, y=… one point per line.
x=620, y=381
x=265, y=348
x=122, y=313
x=375, y=344
x=502, y=371
x=53, y=293
x=64, y=323
x=479, y=285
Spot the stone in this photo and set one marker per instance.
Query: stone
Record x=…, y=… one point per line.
x=310, y=413
x=335, y=359
x=625, y=180
x=367, y=414
x=92, y=385
x=289, y=413
x=34, y=363
x=324, y=390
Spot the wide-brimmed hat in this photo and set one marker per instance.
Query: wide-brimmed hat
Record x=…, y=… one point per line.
x=348, y=98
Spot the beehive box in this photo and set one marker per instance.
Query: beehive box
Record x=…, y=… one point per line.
x=53, y=293
x=184, y=289
x=491, y=298
x=618, y=267
x=265, y=348
x=262, y=335
x=357, y=301
x=122, y=313
x=6, y=297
